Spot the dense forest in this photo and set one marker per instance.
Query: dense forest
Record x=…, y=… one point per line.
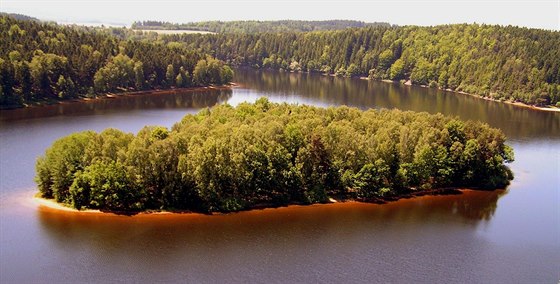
x=41, y=61
x=255, y=26
x=45, y=62
x=265, y=154
x=503, y=63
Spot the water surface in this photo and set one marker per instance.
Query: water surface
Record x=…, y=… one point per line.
x=504, y=236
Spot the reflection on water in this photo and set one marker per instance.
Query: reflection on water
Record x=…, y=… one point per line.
x=196, y=244
x=470, y=207
x=517, y=123
x=179, y=99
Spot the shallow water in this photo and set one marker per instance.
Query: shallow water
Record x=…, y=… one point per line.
x=501, y=236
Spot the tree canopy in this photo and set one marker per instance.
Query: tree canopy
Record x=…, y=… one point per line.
x=234, y=158
x=45, y=61
x=500, y=62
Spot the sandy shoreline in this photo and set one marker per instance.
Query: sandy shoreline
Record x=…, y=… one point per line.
x=519, y=104
x=52, y=205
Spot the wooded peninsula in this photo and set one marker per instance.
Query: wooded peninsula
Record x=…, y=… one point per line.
x=266, y=154
x=44, y=62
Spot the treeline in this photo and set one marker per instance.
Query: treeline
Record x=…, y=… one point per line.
x=19, y=16
x=504, y=63
x=265, y=154
x=255, y=26
x=45, y=61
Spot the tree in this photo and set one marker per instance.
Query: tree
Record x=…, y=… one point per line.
x=386, y=59
x=118, y=73
x=23, y=76
x=373, y=180
x=139, y=80
x=397, y=70
x=226, y=74
x=55, y=172
x=200, y=73
x=170, y=75
x=183, y=79
x=105, y=185
x=318, y=175
x=65, y=87
x=422, y=73
x=7, y=81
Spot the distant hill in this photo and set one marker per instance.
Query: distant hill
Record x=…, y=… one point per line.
x=19, y=17
x=256, y=26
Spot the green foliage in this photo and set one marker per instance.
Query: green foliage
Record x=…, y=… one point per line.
x=183, y=79
x=211, y=71
x=45, y=61
x=397, y=70
x=373, y=180
x=56, y=170
x=65, y=88
x=105, y=185
x=229, y=159
x=117, y=73
x=509, y=63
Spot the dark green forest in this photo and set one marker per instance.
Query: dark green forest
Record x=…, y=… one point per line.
x=255, y=26
x=499, y=62
x=48, y=62
x=266, y=154
x=41, y=61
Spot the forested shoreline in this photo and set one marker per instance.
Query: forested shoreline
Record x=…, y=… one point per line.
x=265, y=154
x=499, y=62
x=45, y=62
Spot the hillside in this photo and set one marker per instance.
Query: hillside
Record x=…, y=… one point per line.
x=499, y=62
x=46, y=62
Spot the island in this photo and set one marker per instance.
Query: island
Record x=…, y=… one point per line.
x=265, y=154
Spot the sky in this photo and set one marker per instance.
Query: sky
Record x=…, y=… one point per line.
x=543, y=14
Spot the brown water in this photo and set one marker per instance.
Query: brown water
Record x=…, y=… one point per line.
x=510, y=236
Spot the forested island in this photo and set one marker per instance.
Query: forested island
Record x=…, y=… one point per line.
x=45, y=62
x=499, y=62
x=266, y=154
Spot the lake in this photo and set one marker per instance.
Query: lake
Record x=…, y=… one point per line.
x=502, y=236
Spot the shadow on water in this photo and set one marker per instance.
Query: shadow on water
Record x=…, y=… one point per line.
x=183, y=99
x=516, y=122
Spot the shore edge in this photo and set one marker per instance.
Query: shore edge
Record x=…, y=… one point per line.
x=107, y=96
x=518, y=104
x=53, y=205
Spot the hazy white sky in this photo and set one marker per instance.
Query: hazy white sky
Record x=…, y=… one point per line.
x=537, y=13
